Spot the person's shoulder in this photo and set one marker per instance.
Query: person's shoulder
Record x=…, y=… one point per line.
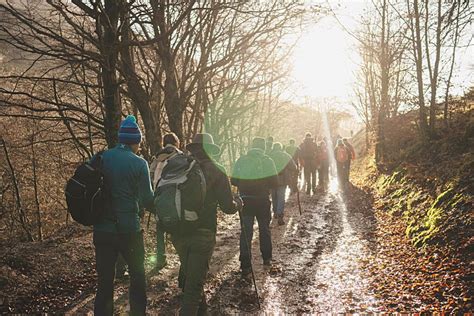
x=218, y=167
x=267, y=159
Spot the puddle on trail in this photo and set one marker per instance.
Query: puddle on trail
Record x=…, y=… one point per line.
x=319, y=259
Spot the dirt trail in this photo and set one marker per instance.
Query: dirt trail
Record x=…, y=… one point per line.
x=338, y=256
x=317, y=265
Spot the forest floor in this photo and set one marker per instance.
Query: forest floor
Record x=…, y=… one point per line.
x=340, y=255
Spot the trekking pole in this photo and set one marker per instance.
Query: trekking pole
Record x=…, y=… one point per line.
x=298, y=199
x=248, y=250
x=298, y=195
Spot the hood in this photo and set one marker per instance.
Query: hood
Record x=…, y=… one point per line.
x=167, y=152
x=256, y=152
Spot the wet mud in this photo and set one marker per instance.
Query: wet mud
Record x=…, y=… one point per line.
x=317, y=264
x=329, y=259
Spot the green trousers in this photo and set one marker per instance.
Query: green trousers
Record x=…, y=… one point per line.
x=194, y=253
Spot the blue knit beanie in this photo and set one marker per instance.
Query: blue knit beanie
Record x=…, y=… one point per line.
x=129, y=132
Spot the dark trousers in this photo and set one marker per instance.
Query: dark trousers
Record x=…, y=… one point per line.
x=160, y=244
x=107, y=248
x=342, y=173
x=260, y=209
x=310, y=178
x=348, y=170
x=323, y=173
x=194, y=251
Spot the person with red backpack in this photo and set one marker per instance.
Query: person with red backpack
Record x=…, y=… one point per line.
x=308, y=160
x=341, y=154
x=352, y=156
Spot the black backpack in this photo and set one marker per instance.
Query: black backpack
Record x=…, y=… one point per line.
x=85, y=195
x=180, y=194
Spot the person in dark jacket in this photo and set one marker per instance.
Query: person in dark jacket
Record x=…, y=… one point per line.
x=170, y=149
x=268, y=145
x=294, y=152
x=308, y=158
x=128, y=189
x=195, y=249
x=352, y=156
x=341, y=154
x=255, y=175
x=286, y=170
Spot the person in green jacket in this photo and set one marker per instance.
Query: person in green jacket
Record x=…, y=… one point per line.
x=128, y=189
x=255, y=175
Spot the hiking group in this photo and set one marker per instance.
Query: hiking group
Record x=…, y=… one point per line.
x=184, y=189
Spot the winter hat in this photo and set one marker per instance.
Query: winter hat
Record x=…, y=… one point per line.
x=277, y=146
x=205, y=141
x=258, y=142
x=129, y=132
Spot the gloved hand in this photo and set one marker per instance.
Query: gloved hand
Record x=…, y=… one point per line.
x=239, y=202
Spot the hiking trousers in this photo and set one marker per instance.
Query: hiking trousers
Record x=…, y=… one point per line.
x=348, y=169
x=310, y=178
x=342, y=173
x=160, y=244
x=259, y=209
x=278, y=200
x=107, y=248
x=194, y=251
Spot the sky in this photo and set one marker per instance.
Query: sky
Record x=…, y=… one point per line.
x=325, y=60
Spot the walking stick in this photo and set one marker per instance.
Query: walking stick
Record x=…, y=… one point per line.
x=298, y=199
x=298, y=195
x=251, y=266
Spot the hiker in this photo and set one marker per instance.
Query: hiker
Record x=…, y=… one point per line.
x=294, y=152
x=341, y=155
x=255, y=175
x=323, y=171
x=308, y=160
x=195, y=247
x=128, y=187
x=268, y=145
x=286, y=169
x=170, y=149
x=351, y=156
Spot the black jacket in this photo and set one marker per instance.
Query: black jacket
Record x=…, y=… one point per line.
x=218, y=192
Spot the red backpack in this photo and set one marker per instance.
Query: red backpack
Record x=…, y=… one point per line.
x=341, y=154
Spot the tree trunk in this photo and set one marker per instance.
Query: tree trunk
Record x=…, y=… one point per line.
x=419, y=71
x=137, y=93
x=107, y=29
x=35, y=187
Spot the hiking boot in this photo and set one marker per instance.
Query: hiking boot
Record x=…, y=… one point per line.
x=267, y=262
x=160, y=263
x=246, y=272
x=281, y=221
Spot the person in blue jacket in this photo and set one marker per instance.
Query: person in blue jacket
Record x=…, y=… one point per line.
x=128, y=189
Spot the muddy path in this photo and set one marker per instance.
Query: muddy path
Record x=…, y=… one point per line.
x=317, y=267
x=338, y=256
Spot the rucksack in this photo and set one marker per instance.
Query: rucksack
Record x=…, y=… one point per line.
x=180, y=194
x=85, y=197
x=341, y=154
x=308, y=150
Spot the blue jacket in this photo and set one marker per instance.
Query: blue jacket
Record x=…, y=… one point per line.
x=128, y=189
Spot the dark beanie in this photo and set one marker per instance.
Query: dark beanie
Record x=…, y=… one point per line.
x=129, y=132
x=258, y=142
